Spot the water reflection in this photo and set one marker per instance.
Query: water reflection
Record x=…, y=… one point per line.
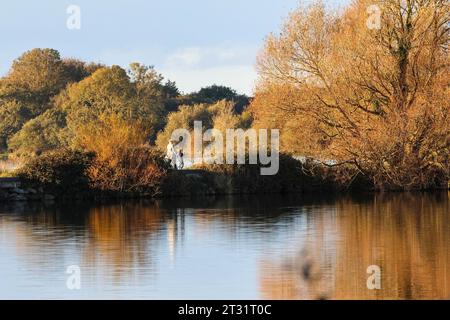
x=234, y=247
x=407, y=235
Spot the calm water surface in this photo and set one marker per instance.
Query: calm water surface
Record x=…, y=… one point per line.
x=231, y=248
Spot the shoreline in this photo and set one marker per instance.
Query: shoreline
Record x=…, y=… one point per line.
x=16, y=190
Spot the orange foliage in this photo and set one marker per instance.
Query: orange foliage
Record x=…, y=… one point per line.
x=109, y=136
x=374, y=99
x=122, y=161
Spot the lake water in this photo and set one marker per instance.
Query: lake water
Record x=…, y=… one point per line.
x=232, y=248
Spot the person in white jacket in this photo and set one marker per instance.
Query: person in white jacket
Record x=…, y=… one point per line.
x=171, y=155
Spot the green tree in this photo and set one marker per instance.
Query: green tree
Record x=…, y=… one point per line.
x=172, y=97
x=13, y=115
x=28, y=88
x=108, y=89
x=215, y=93
x=149, y=94
x=184, y=118
x=77, y=70
x=44, y=133
x=111, y=91
x=170, y=90
x=34, y=77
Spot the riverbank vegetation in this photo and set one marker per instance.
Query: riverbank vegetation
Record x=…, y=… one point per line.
x=363, y=107
x=372, y=98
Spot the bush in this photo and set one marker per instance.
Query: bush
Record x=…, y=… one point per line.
x=137, y=170
x=109, y=136
x=292, y=177
x=60, y=172
x=343, y=176
x=196, y=183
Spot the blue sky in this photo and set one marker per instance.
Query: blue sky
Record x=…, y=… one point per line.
x=195, y=42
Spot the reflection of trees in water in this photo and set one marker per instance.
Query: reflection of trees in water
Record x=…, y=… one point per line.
x=407, y=235
x=115, y=239
x=122, y=238
x=258, y=215
x=38, y=233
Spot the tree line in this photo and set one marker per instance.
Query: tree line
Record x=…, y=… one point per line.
x=369, y=103
x=48, y=103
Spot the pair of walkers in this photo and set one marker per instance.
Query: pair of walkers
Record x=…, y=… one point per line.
x=175, y=156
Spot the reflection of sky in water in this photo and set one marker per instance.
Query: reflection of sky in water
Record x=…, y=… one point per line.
x=231, y=249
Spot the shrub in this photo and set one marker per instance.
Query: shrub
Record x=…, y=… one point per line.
x=61, y=171
x=196, y=183
x=247, y=179
x=140, y=169
x=109, y=136
x=343, y=176
x=122, y=163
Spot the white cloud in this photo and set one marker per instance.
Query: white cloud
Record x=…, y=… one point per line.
x=196, y=67
x=227, y=54
x=239, y=77
x=208, y=55
x=186, y=57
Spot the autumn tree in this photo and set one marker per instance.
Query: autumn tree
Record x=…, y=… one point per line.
x=109, y=136
x=150, y=94
x=184, y=118
x=34, y=77
x=110, y=91
x=26, y=91
x=368, y=95
x=220, y=115
x=123, y=162
x=29, y=89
